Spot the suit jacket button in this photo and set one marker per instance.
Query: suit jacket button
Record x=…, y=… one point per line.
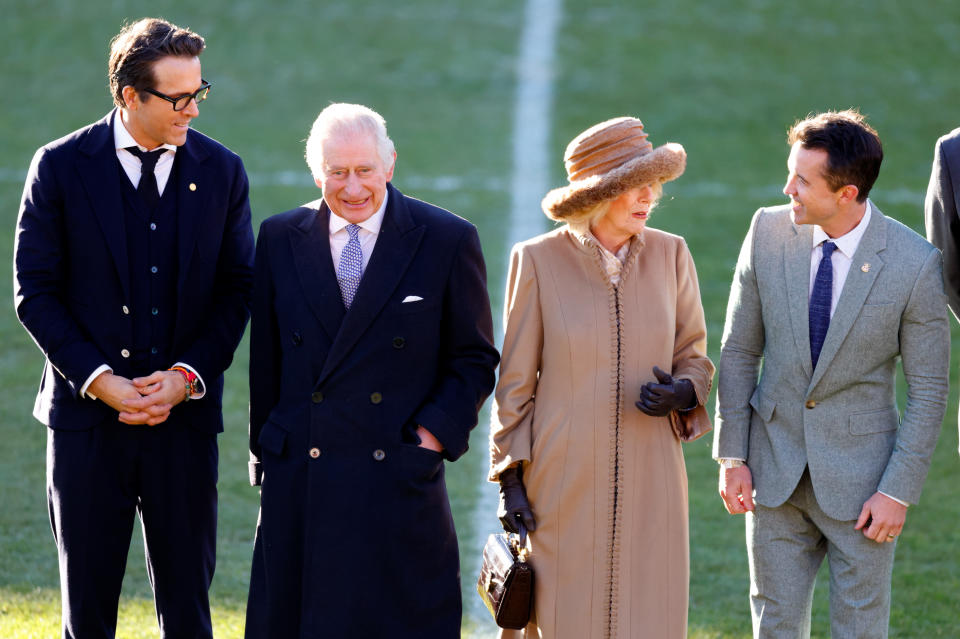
x=316, y=397
x=399, y=342
x=810, y=404
x=314, y=452
x=376, y=398
x=379, y=455
x=126, y=311
x=125, y=353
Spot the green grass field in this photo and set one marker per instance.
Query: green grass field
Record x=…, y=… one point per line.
x=723, y=78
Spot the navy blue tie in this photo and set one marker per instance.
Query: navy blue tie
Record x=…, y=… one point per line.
x=820, y=300
x=147, y=187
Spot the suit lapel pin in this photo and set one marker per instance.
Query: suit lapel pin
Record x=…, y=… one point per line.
x=866, y=267
x=192, y=187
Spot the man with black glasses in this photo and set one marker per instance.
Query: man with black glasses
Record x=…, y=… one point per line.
x=132, y=272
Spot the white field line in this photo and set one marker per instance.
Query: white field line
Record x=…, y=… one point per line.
x=532, y=119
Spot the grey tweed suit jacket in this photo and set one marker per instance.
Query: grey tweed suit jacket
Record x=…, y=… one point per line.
x=840, y=419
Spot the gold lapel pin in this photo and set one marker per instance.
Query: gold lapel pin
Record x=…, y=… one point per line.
x=193, y=187
x=866, y=267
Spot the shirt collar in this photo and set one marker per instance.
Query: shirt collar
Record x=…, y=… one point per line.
x=122, y=138
x=371, y=224
x=848, y=243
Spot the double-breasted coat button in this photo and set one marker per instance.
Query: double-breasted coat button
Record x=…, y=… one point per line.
x=126, y=311
x=314, y=452
x=297, y=338
x=376, y=398
x=379, y=455
x=399, y=342
x=316, y=397
x=125, y=353
x=810, y=404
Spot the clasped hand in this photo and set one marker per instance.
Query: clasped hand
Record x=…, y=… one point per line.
x=142, y=400
x=658, y=400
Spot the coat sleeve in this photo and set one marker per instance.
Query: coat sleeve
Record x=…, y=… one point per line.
x=212, y=351
x=467, y=357
x=264, y=353
x=512, y=415
x=940, y=213
x=40, y=278
x=741, y=352
x=690, y=359
x=925, y=357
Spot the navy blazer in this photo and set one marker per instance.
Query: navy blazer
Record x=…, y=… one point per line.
x=72, y=281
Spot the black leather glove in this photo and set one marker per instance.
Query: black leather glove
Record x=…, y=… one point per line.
x=513, y=502
x=657, y=400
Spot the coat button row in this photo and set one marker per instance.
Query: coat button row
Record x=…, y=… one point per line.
x=314, y=452
x=810, y=404
x=316, y=397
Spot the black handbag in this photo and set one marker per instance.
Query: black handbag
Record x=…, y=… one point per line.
x=506, y=579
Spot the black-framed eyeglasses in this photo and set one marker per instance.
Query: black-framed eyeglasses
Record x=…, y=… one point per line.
x=181, y=102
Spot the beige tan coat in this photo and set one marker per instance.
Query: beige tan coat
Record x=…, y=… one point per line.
x=607, y=483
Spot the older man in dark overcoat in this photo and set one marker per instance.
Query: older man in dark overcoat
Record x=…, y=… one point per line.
x=371, y=354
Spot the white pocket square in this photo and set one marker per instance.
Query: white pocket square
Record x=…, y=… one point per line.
x=411, y=298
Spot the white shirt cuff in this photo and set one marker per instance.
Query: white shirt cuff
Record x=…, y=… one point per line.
x=899, y=501
x=83, y=389
x=203, y=386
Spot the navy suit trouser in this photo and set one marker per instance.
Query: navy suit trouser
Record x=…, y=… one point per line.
x=97, y=481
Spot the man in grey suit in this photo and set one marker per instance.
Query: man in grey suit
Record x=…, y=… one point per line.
x=940, y=211
x=808, y=435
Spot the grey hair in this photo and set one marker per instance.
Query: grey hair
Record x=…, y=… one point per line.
x=342, y=119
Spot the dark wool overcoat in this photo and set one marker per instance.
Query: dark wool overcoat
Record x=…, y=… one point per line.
x=355, y=537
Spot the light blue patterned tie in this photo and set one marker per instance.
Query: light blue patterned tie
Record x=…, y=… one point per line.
x=351, y=266
x=820, y=300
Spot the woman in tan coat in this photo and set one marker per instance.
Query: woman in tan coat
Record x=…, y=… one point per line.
x=604, y=373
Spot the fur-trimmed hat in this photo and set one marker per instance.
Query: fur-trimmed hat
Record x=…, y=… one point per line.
x=608, y=159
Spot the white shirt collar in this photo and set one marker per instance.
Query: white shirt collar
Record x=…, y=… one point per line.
x=122, y=138
x=371, y=224
x=848, y=243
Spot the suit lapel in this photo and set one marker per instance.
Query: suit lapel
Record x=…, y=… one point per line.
x=194, y=189
x=855, y=290
x=796, y=264
x=100, y=175
x=310, y=245
x=396, y=245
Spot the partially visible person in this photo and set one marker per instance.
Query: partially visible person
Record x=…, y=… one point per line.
x=828, y=295
x=941, y=213
x=604, y=374
x=371, y=352
x=133, y=266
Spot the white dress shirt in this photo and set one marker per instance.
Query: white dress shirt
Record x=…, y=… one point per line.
x=841, y=258
x=131, y=166
x=369, y=230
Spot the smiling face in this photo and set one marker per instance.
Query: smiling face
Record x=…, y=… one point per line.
x=354, y=180
x=151, y=120
x=626, y=216
x=811, y=198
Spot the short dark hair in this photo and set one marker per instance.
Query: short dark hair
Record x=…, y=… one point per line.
x=854, y=151
x=134, y=50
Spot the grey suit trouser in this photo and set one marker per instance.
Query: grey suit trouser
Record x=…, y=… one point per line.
x=786, y=546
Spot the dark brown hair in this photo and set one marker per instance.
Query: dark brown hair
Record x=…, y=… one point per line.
x=854, y=151
x=134, y=50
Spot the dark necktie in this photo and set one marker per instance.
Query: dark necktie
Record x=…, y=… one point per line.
x=820, y=299
x=351, y=265
x=147, y=188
